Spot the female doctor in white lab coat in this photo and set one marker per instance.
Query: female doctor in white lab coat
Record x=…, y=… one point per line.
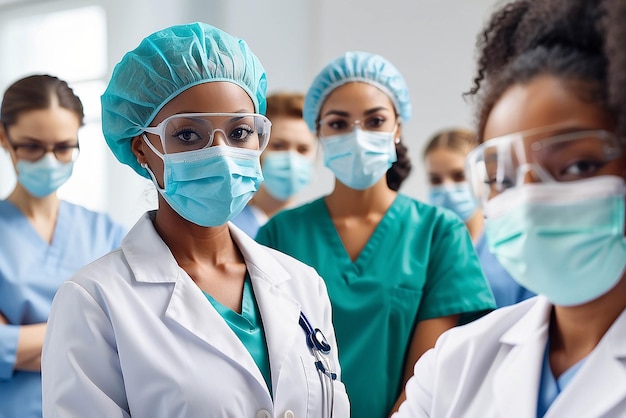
x=551, y=175
x=191, y=317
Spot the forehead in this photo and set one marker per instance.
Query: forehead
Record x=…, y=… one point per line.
x=356, y=97
x=53, y=123
x=292, y=130
x=214, y=97
x=442, y=160
x=544, y=101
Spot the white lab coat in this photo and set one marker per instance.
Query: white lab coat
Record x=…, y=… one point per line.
x=132, y=335
x=492, y=368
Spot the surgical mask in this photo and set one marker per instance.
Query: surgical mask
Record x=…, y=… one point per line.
x=359, y=158
x=286, y=173
x=562, y=240
x=457, y=197
x=209, y=186
x=44, y=176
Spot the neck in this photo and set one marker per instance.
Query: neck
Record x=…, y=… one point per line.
x=42, y=209
x=576, y=330
x=191, y=243
x=475, y=225
x=269, y=204
x=347, y=202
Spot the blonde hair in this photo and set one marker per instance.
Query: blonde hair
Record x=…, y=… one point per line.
x=461, y=140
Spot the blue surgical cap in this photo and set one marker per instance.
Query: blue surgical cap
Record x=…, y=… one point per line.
x=164, y=65
x=357, y=66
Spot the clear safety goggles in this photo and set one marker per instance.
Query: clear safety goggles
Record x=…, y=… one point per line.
x=539, y=156
x=332, y=125
x=193, y=131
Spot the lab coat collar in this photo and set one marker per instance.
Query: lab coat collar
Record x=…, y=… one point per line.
x=152, y=262
x=523, y=346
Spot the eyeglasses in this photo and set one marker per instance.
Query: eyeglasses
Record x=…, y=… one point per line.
x=193, y=131
x=332, y=125
x=32, y=151
x=506, y=162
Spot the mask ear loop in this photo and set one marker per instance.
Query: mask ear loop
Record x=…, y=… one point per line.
x=147, y=168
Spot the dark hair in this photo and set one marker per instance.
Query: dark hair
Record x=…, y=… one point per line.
x=400, y=170
x=456, y=139
x=37, y=92
x=285, y=104
x=581, y=42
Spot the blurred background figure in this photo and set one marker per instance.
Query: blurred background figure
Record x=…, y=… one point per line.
x=287, y=162
x=444, y=157
x=44, y=240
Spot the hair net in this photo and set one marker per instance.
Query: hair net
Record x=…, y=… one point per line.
x=164, y=65
x=357, y=66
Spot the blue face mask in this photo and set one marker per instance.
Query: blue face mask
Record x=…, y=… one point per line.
x=44, y=176
x=286, y=173
x=209, y=186
x=360, y=158
x=457, y=197
x=562, y=240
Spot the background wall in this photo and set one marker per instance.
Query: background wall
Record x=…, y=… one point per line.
x=432, y=42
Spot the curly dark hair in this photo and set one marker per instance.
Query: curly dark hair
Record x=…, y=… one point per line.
x=581, y=42
x=400, y=170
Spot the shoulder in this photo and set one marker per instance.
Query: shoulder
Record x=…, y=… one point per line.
x=486, y=331
x=424, y=212
x=299, y=212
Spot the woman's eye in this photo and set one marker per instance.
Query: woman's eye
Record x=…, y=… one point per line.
x=580, y=169
x=241, y=133
x=501, y=185
x=187, y=136
x=375, y=122
x=458, y=177
x=337, y=124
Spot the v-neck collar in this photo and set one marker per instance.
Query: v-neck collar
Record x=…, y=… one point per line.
x=370, y=247
x=61, y=225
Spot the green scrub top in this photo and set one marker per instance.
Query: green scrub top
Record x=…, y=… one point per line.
x=248, y=327
x=418, y=264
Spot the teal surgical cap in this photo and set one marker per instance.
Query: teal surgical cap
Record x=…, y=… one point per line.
x=164, y=65
x=357, y=66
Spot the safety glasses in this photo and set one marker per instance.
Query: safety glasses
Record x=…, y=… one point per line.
x=539, y=156
x=193, y=131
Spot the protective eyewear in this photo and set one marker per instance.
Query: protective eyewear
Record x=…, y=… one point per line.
x=539, y=156
x=193, y=131
x=33, y=151
x=332, y=125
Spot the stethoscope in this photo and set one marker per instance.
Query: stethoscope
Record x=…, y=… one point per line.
x=320, y=348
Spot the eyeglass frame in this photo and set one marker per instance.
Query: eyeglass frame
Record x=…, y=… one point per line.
x=353, y=125
x=44, y=149
x=541, y=173
x=159, y=129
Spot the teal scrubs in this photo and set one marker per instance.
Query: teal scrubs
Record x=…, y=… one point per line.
x=31, y=271
x=248, y=328
x=418, y=264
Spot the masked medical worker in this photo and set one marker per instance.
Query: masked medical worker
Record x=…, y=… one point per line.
x=191, y=317
x=444, y=158
x=398, y=272
x=550, y=173
x=287, y=162
x=43, y=240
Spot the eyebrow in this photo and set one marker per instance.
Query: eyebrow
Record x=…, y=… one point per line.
x=31, y=140
x=347, y=114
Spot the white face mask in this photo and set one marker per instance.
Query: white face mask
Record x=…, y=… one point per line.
x=359, y=158
x=562, y=240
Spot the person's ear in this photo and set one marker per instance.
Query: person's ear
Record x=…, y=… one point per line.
x=398, y=133
x=137, y=145
x=4, y=142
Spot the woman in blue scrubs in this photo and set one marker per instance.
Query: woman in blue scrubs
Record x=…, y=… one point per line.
x=399, y=272
x=444, y=157
x=44, y=240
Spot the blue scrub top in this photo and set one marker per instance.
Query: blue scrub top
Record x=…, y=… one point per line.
x=31, y=271
x=249, y=220
x=506, y=291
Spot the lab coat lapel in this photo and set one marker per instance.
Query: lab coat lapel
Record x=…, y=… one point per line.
x=279, y=311
x=515, y=384
x=187, y=307
x=602, y=377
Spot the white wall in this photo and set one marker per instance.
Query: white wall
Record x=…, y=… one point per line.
x=430, y=41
